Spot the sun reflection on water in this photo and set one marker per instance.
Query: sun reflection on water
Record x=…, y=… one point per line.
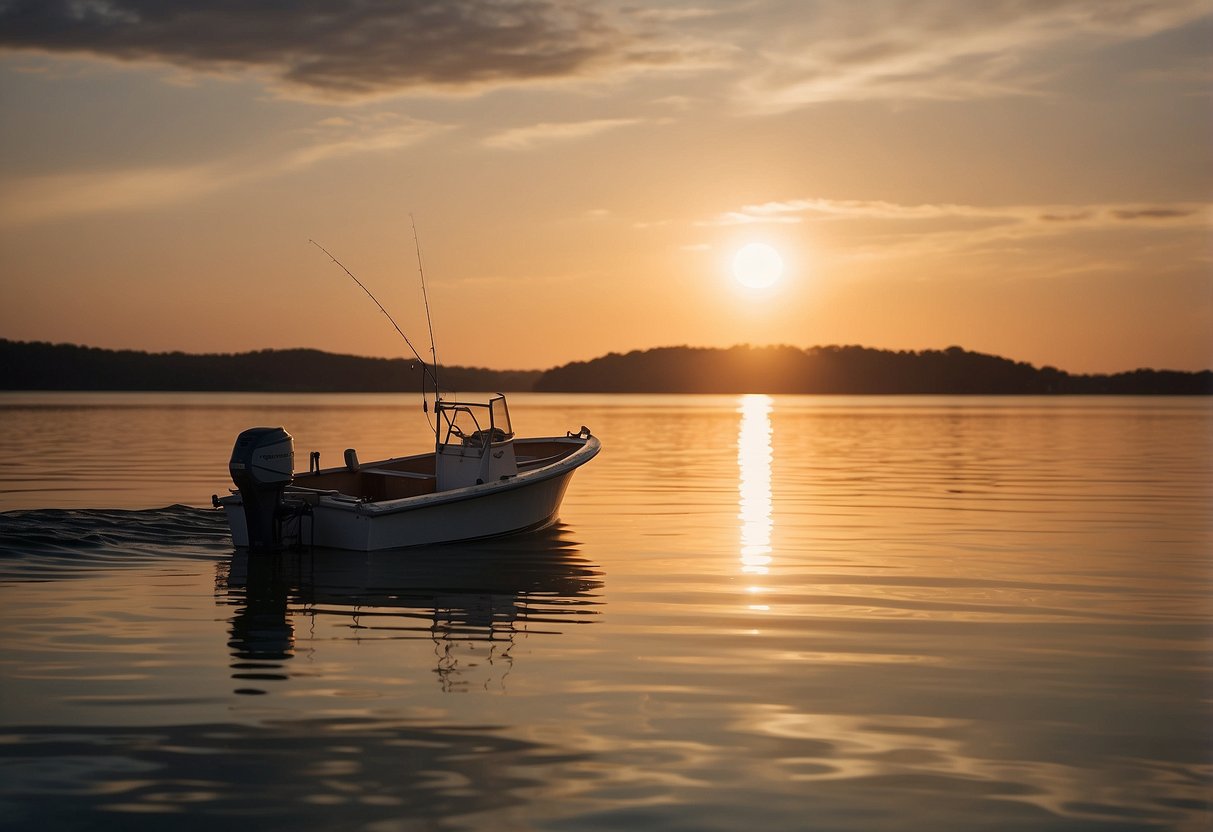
x=754, y=483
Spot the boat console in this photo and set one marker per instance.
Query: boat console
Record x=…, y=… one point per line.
x=475, y=443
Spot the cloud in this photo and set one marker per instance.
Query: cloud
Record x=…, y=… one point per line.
x=340, y=49
x=37, y=199
x=41, y=198
x=875, y=229
x=1072, y=216
x=937, y=49
x=675, y=15
x=800, y=210
x=1152, y=213
x=524, y=138
x=792, y=53
x=353, y=135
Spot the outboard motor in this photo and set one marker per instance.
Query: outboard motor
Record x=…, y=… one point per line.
x=262, y=467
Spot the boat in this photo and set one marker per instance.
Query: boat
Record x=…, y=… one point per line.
x=480, y=481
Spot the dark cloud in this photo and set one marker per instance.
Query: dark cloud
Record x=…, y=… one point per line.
x=1152, y=214
x=1074, y=216
x=333, y=47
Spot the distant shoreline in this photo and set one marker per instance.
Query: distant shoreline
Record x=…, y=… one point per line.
x=830, y=370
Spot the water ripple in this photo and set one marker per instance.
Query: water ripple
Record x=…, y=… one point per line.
x=46, y=544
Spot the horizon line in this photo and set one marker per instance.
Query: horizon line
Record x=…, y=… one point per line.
x=749, y=346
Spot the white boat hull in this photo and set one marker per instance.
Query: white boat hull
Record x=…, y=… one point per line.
x=530, y=499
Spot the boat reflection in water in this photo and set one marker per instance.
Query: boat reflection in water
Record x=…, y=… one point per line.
x=461, y=597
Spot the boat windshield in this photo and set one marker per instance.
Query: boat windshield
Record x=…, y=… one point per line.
x=469, y=423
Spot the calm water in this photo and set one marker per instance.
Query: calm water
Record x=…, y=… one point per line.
x=758, y=613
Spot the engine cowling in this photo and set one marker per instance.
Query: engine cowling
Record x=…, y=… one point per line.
x=262, y=466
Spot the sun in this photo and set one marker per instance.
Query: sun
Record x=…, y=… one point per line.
x=757, y=266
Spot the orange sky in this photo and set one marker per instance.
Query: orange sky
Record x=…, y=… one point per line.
x=1028, y=179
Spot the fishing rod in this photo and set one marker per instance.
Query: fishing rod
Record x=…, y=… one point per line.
x=425, y=296
x=432, y=374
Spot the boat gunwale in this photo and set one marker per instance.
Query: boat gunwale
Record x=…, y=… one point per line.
x=588, y=450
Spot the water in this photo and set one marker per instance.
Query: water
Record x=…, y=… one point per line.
x=771, y=613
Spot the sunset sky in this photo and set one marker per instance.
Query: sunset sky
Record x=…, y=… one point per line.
x=1031, y=179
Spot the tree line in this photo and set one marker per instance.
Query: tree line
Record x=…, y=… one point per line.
x=740, y=369
x=850, y=369
x=42, y=366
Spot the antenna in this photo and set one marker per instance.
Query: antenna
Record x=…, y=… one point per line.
x=384, y=311
x=425, y=296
